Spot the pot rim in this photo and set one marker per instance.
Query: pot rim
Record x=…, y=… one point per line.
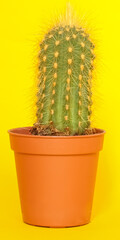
x=12, y=132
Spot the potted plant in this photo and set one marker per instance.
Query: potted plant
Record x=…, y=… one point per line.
x=56, y=159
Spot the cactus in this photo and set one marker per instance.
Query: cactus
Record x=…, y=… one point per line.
x=64, y=88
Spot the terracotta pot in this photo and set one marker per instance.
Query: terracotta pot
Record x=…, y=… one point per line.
x=56, y=176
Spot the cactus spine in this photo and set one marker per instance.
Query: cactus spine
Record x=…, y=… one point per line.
x=64, y=89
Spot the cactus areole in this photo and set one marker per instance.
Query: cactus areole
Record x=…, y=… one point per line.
x=65, y=73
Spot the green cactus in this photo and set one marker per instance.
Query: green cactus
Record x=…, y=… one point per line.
x=64, y=89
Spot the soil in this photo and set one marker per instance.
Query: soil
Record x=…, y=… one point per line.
x=50, y=130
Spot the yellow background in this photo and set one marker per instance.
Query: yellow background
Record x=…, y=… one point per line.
x=21, y=23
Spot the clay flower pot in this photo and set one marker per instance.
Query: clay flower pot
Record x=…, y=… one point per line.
x=56, y=176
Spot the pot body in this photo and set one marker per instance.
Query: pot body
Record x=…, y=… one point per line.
x=56, y=177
